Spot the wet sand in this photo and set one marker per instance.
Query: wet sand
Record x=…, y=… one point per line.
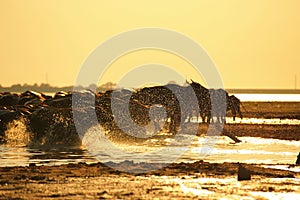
x=267, y=110
x=283, y=110
x=97, y=181
x=283, y=132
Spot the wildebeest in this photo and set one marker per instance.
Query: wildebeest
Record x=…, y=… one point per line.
x=215, y=103
x=233, y=104
x=178, y=102
x=117, y=110
x=204, y=101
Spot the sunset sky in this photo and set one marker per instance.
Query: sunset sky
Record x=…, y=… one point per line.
x=254, y=43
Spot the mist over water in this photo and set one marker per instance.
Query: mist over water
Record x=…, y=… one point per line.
x=17, y=134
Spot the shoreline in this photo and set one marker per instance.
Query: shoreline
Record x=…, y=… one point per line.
x=77, y=181
x=211, y=180
x=282, y=132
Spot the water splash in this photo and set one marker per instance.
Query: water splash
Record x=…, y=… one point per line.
x=17, y=134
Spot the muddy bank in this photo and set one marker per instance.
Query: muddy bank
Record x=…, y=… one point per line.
x=283, y=132
x=76, y=181
x=265, y=110
x=283, y=110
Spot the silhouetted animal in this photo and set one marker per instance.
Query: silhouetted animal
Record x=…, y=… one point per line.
x=233, y=104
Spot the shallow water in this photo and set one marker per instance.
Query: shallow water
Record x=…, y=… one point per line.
x=22, y=156
x=252, y=120
x=164, y=148
x=268, y=97
x=270, y=153
x=211, y=149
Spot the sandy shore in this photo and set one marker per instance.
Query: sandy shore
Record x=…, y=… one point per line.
x=96, y=181
x=200, y=180
x=283, y=110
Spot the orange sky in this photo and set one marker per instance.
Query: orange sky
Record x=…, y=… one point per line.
x=254, y=43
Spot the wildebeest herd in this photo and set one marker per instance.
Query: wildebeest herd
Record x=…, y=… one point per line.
x=50, y=118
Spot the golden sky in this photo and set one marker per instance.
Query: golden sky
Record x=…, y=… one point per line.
x=254, y=43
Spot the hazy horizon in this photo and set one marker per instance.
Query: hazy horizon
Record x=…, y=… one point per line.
x=149, y=85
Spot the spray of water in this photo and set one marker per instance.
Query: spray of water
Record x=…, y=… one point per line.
x=17, y=134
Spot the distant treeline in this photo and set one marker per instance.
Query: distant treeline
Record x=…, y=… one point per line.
x=264, y=91
x=48, y=88
x=108, y=86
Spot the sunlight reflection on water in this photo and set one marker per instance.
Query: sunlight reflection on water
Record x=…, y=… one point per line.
x=268, y=97
x=251, y=150
x=275, y=121
x=246, y=120
x=211, y=187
